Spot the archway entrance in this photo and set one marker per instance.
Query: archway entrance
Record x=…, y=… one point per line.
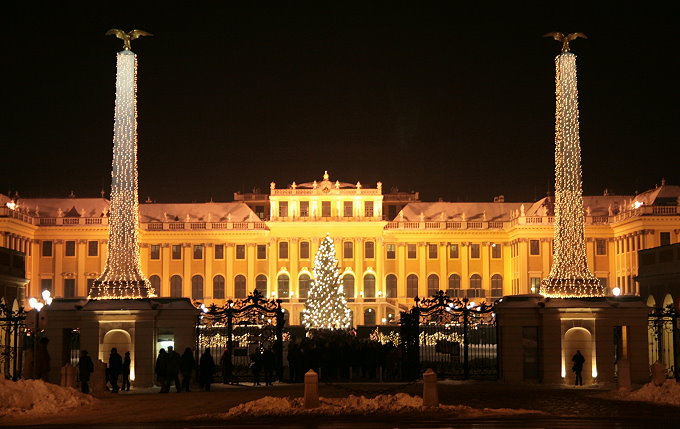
x=122, y=341
x=578, y=339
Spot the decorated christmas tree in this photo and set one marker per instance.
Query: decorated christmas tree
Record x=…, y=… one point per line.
x=326, y=307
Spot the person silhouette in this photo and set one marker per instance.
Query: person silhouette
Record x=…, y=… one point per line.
x=578, y=360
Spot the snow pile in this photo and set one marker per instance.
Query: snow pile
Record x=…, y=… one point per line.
x=667, y=393
x=401, y=403
x=38, y=397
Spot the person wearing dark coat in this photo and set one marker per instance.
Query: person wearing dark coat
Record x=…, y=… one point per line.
x=42, y=360
x=85, y=370
x=227, y=367
x=256, y=366
x=174, y=361
x=206, y=369
x=268, y=360
x=186, y=368
x=578, y=360
x=115, y=368
x=126, y=371
x=162, y=370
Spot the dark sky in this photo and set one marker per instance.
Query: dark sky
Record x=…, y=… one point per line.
x=452, y=100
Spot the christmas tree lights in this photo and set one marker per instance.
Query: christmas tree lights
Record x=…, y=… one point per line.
x=569, y=275
x=326, y=306
x=123, y=277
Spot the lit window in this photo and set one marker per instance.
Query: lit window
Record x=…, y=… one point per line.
x=368, y=208
x=347, y=209
x=369, y=286
x=304, y=208
x=391, y=251
x=283, y=286
x=283, y=208
x=325, y=208
x=453, y=251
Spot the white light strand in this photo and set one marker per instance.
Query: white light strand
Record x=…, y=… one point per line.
x=123, y=277
x=326, y=306
x=569, y=275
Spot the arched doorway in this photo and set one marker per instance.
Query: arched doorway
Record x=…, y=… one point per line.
x=122, y=341
x=578, y=338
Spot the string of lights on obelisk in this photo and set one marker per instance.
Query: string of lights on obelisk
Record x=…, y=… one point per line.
x=123, y=277
x=569, y=275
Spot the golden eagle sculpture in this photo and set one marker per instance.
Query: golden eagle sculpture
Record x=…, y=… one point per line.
x=565, y=39
x=127, y=37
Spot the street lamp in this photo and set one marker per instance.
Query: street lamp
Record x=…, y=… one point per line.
x=37, y=305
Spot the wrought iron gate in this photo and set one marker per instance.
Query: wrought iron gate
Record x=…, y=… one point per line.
x=664, y=339
x=455, y=337
x=242, y=327
x=12, y=331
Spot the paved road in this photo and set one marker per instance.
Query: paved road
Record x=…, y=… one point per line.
x=563, y=407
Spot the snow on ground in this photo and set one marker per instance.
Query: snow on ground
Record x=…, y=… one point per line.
x=33, y=397
x=401, y=403
x=667, y=393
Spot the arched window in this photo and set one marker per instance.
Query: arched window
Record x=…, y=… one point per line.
x=197, y=287
x=156, y=284
x=454, y=286
x=475, y=281
x=432, y=285
x=369, y=286
x=218, y=287
x=496, y=285
x=240, y=287
x=369, y=316
x=303, y=286
x=348, y=286
x=261, y=284
x=391, y=286
x=283, y=286
x=412, y=286
x=176, y=286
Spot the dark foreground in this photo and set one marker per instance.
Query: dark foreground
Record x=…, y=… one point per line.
x=562, y=408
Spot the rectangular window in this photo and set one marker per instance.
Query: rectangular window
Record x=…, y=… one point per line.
x=347, y=250
x=600, y=246
x=495, y=250
x=240, y=251
x=155, y=251
x=411, y=251
x=432, y=251
x=92, y=248
x=176, y=251
x=325, y=209
x=261, y=251
x=46, y=284
x=535, y=284
x=391, y=251
x=368, y=208
x=259, y=211
x=664, y=238
x=304, y=208
x=219, y=251
x=198, y=251
x=283, y=250
x=347, y=209
x=69, y=288
x=70, y=248
x=283, y=208
x=453, y=251
x=369, y=250
x=304, y=250
x=474, y=251
x=534, y=247
x=47, y=248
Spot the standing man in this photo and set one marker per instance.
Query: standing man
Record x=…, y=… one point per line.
x=115, y=369
x=174, y=363
x=126, y=371
x=578, y=360
x=85, y=369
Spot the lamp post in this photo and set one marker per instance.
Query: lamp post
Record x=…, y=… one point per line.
x=37, y=305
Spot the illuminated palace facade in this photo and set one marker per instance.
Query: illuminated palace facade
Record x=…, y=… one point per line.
x=391, y=246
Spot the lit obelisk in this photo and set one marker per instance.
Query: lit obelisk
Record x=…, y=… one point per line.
x=569, y=275
x=123, y=277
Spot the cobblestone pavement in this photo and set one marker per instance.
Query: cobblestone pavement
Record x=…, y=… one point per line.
x=564, y=407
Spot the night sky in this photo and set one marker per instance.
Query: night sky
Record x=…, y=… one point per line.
x=452, y=100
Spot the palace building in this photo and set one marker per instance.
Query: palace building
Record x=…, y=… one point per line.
x=392, y=247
